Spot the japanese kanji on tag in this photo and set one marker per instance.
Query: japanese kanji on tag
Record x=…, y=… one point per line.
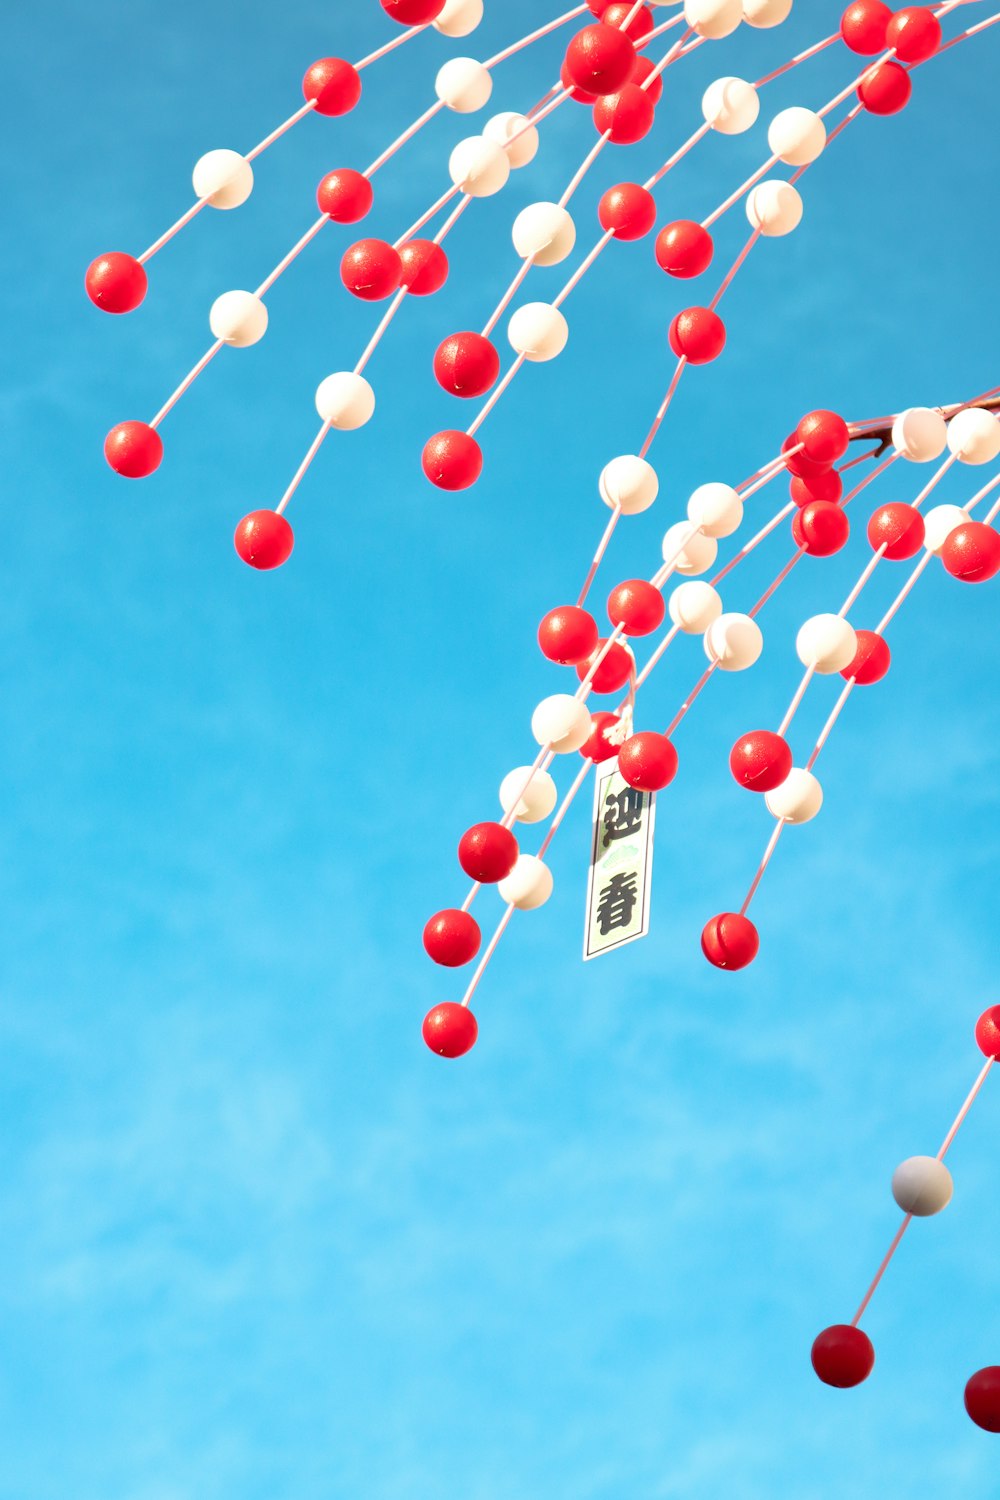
x=621, y=864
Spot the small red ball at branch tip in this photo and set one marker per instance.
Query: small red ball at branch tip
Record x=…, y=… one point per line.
x=826, y=486
x=914, y=33
x=334, y=84
x=264, y=539
x=345, y=195
x=452, y=937
x=578, y=95
x=487, y=852
x=821, y=528
x=988, y=1032
x=648, y=761
x=863, y=26
x=413, y=12
x=133, y=449
x=886, y=89
x=971, y=552
x=371, y=270
x=452, y=460
x=614, y=671
x=799, y=463
x=823, y=435
x=425, y=267
x=450, y=1030
x=637, y=606
x=627, y=210
x=599, y=747
x=567, y=635
x=870, y=662
x=982, y=1398
x=627, y=115
x=684, y=249
x=760, y=760
x=645, y=68
x=730, y=941
x=897, y=527
x=466, y=364
x=598, y=7
x=698, y=334
x=116, y=282
x=843, y=1356
x=638, y=27
x=600, y=59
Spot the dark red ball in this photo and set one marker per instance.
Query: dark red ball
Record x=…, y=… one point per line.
x=371, y=270
x=825, y=486
x=627, y=210
x=698, y=334
x=600, y=59
x=988, y=1032
x=626, y=116
x=648, y=761
x=863, y=26
x=982, y=1398
x=413, y=12
x=914, y=33
x=133, y=449
x=450, y=1030
x=730, y=941
x=487, y=852
x=820, y=528
x=452, y=937
x=599, y=747
x=116, y=282
x=886, y=89
x=264, y=539
x=843, y=1355
x=425, y=267
x=823, y=435
x=637, y=606
x=640, y=25
x=345, y=195
x=567, y=635
x=898, y=528
x=466, y=364
x=684, y=249
x=577, y=94
x=615, y=670
x=452, y=460
x=643, y=77
x=334, y=84
x=799, y=463
x=972, y=552
x=870, y=662
x=760, y=760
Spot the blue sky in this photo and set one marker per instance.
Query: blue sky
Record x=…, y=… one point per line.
x=256, y=1241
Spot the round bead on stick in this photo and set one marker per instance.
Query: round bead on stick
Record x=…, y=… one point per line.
x=517, y=137
x=545, y=232
x=239, y=319
x=730, y=105
x=620, y=14
x=567, y=635
x=820, y=528
x=698, y=334
x=645, y=76
x=487, y=852
x=734, y=642
x=899, y=529
x=914, y=33
x=713, y=19
x=871, y=661
x=974, y=436
x=616, y=667
x=766, y=13
x=627, y=210
x=774, y=207
x=797, y=136
x=827, y=486
x=345, y=196
x=133, y=449
x=529, y=884
x=648, y=761
x=730, y=941
x=826, y=643
x=798, y=799
x=684, y=249
x=371, y=270
x=466, y=364
x=697, y=552
x=863, y=26
x=452, y=460
x=716, y=509
x=333, y=84
x=637, y=606
x=922, y=1186
x=886, y=89
x=264, y=540
x=988, y=1033
x=939, y=522
x=452, y=938
x=605, y=739
x=843, y=1356
x=223, y=178
x=450, y=1030
x=463, y=85
x=116, y=282
x=760, y=760
x=458, y=17
x=798, y=462
x=920, y=434
x=413, y=12
x=982, y=1398
x=628, y=483
x=424, y=267
x=599, y=59
x=561, y=722
x=538, y=331
x=479, y=167
x=529, y=801
x=625, y=117
x=345, y=400
x=971, y=552
x=694, y=606
x=824, y=436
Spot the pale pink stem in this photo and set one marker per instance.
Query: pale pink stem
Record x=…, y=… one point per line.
x=734, y=268
x=275, y=135
x=541, y=761
x=772, y=844
x=835, y=714
x=564, y=806
x=296, y=250
x=583, y=691
x=609, y=532
x=508, y=296
x=735, y=197
x=584, y=168
x=801, y=58
x=773, y=587
x=426, y=218
x=383, y=51
x=679, y=154
x=583, y=267
x=866, y=574
x=685, y=706
x=303, y=467
x=376, y=337
x=754, y=541
x=980, y=26
x=185, y=218
x=897, y=1237
x=657, y=420
x=407, y=135
x=487, y=955
x=970, y=1100
x=471, y=896
x=904, y=593
x=981, y=495
x=799, y=694
x=188, y=380
x=664, y=646
x=495, y=395
x=570, y=15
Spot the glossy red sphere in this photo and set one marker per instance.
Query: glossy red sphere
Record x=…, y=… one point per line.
x=972, y=552
x=264, y=539
x=982, y=1398
x=871, y=660
x=915, y=33
x=424, y=267
x=452, y=460
x=799, y=463
x=615, y=670
x=760, y=760
x=826, y=486
x=886, y=89
x=843, y=1356
x=823, y=435
x=487, y=852
x=820, y=528
x=684, y=249
x=116, y=282
x=334, y=84
x=697, y=334
x=619, y=11
x=568, y=635
x=450, y=1030
x=863, y=26
x=730, y=941
x=371, y=270
x=577, y=94
x=648, y=761
x=637, y=606
x=598, y=746
x=413, y=12
x=626, y=116
x=345, y=195
x=899, y=529
x=988, y=1032
x=133, y=449
x=644, y=70
x=466, y=364
x=600, y=59
x=598, y=7
x=627, y=210
x=452, y=937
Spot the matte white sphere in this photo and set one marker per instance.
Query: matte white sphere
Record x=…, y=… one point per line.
x=797, y=136
x=774, y=207
x=920, y=434
x=528, y=885
x=974, y=436
x=463, y=84
x=734, y=641
x=533, y=803
x=939, y=523
x=544, y=231
x=827, y=643
x=459, y=17
x=225, y=178
x=345, y=400
x=697, y=553
x=798, y=799
x=713, y=18
x=694, y=606
x=628, y=483
x=766, y=13
x=561, y=722
x=238, y=319
x=922, y=1186
x=503, y=127
x=478, y=166
x=730, y=105
x=716, y=508
x=538, y=331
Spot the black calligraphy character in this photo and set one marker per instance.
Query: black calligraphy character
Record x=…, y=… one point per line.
x=624, y=815
x=617, y=903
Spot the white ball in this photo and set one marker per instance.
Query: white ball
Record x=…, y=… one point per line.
x=238, y=319
x=922, y=1186
x=974, y=436
x=694, y=606
x=562, y=722
x=345, y=400
x=716, y=509
x=939, y=523
x=459, y=17
x=225, y=178
x=463, y=84
x=528, y=885
x=538, y=331
x=501, y=128
x=544, y=231
x=697, y=553
x=478, y=166
x=797, y=136
x=766, y=13
x=827, y=643
x=798, y=798
x=774, y=207
x=730, y=105
x=734, y=642
x=713, y=18
x=533, y=803
x=920, y=434
x=629, y=484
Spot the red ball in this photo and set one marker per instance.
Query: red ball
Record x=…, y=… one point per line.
x=684, y=249
x=371, y=270
x=825, y=486
x=626, y=116
x=823, y=435
x=972, y=552
x=638, y=27
x=452, y=460
x=264, y=539
x=598, y=7
x=870, y=662
x=425, y=267
x=697, y=334
x=599, y=747
x=600, y=60
x=915, y=34
x=760, y=760
x=988, y=1032
x=450, y=1030
x=648, y=761
x=843, y=1356
x=886, y=89
x=345, y=195
x=897, y=527
x=615, y=670
x=133, y=449
x=799, y=463
x=567, y=635
x=452, y=938
x=982, y=1398
x=643, y=70
x=487, y=852
x=116, y=282
x=413, y=12
x=334, y=84
x=578, y=95
x=820, y=528
x=864, y=25
x=638, y=607
x=628, y=210
x=466, y=364
x=730, y=941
